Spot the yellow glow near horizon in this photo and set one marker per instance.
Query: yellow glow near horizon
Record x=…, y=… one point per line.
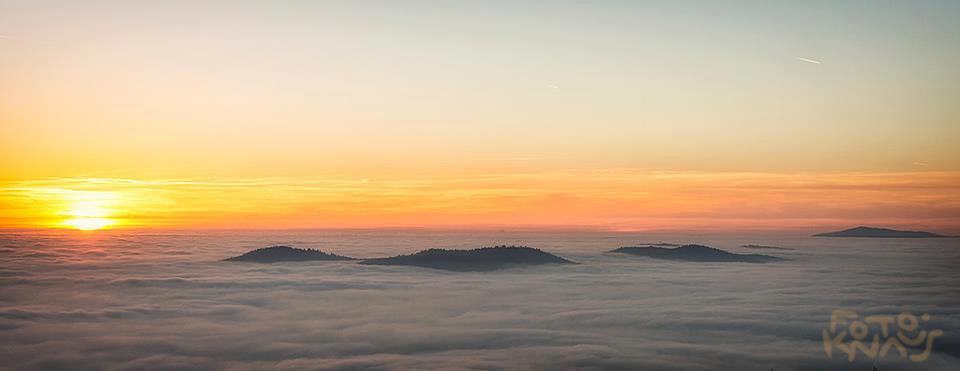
x=89, y=210
x=610, y=200
x=61, y=207
x=89, y=224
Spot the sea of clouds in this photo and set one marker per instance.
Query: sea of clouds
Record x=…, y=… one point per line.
x=152, y=300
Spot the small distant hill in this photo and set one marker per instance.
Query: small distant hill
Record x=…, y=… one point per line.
x=476, y=260
x=275, y=254
x=879, y=232
x=660, y=244
x=694, y=253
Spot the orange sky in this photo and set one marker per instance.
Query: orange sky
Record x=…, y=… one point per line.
x=594, y=199
x=621, y=116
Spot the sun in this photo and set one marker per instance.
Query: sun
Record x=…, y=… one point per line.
x=88, y=224
x=89, y=210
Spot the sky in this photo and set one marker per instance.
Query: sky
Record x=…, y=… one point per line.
x=623, y=115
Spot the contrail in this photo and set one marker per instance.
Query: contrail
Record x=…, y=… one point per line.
x=814, y=61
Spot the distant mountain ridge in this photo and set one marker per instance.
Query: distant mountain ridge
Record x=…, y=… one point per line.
x=879, y=233
x=475, y=260
x=282, y=253
x=694, y=253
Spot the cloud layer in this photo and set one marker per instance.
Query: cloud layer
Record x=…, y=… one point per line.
x=164, y=301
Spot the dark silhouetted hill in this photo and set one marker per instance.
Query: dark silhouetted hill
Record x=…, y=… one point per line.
x=878, y=232
x=660, y=244
x=275, y=254
x=482, y=259
x=695, y=253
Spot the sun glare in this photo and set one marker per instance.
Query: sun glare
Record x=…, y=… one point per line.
x=88, y=224
x=89, y=210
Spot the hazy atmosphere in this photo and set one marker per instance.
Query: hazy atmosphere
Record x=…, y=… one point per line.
x=482, y=185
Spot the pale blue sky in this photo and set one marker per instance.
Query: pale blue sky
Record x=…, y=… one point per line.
x=642, y=84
